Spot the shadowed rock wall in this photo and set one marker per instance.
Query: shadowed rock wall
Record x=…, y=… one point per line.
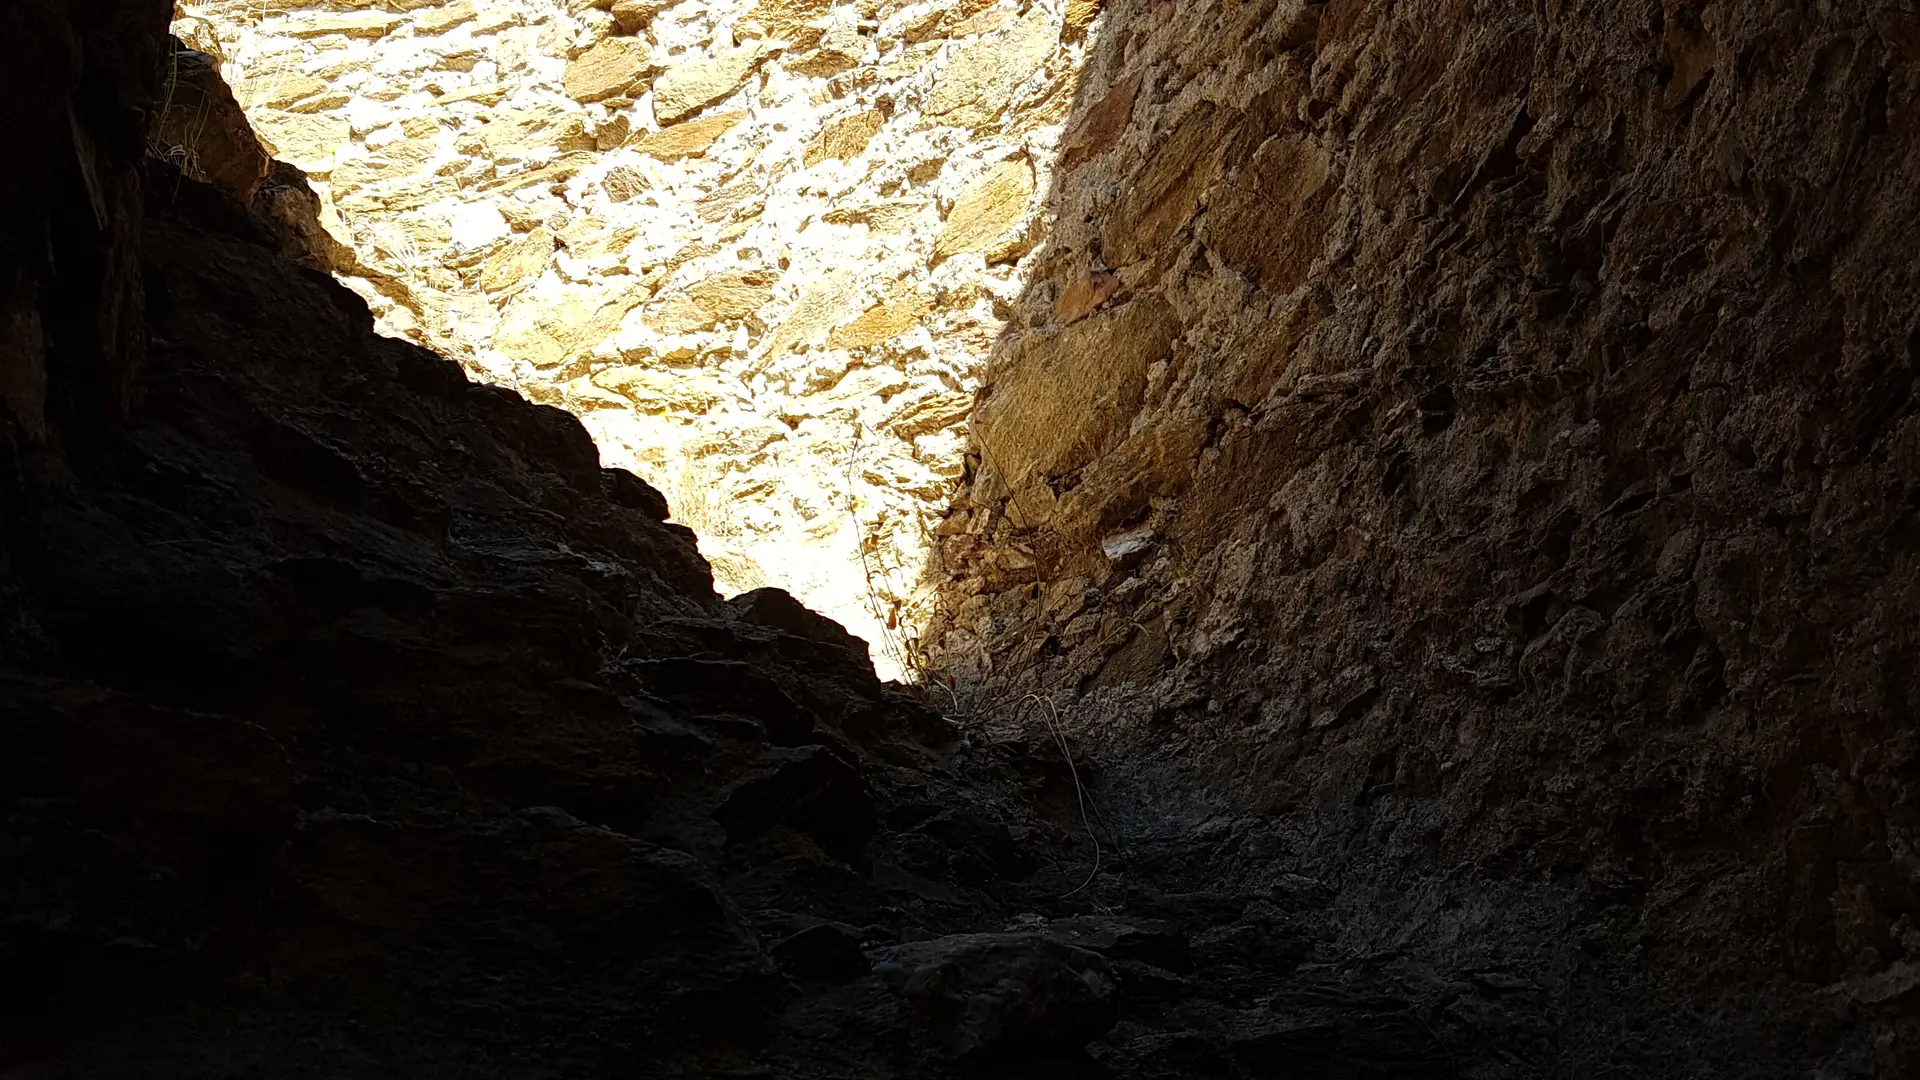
x=1475, y=444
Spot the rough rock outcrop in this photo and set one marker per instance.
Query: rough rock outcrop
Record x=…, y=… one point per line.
x=1500, y=490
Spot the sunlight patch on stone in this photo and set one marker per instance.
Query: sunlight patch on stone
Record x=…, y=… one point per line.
x=762, y=248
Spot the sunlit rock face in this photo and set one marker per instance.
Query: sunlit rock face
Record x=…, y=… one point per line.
x=761, y=247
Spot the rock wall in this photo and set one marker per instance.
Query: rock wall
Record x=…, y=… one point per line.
x=1473, y=447
x=356, y=721
x=761, y=247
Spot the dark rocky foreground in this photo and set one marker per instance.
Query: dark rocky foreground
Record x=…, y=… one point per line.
x=354, y=722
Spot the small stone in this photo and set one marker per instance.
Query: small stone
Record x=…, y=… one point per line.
x=519, y=262
x=879, y=324
x=695, y=84
x=277, y=88
x=1127, y=549
x=841, y=49
x=936, y=413
x=1084, y=294
x=371, y=24
x=845, y=138
x=633, y=16
x=1103, y=124
x=523, y=216
x=623, y=183
x=890, y=216
x=732, y=295
x=794, y=22
x=978, y=82
x=518, y=134
x=612, y=133
x=690, y=138
x=725, y=297
x=441, y=20
x=1079, y=16
x=306, y=142
x=607, y=70
x=484, y=93
x=988, y=214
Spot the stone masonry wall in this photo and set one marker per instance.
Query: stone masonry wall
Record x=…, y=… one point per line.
x=761, y=247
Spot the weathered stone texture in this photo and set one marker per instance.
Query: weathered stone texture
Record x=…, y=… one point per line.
x=1520, y=493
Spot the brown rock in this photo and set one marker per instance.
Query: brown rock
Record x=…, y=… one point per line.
x=1269, y=219
x=1079, y=16
x=1084, y=294
x=306, y=142
x=793, y=21
x=978, y=82
x=1158, y=200
x=693, y=85
x=624, y=183
x=523, y=216
x=690, y=138
x=518, y=263
x=613, y=133
x=844, y=138
x=732, y=295
x=442, y=19
x=484, y=93
x=609, y=69
x=840, y=50
x=654, y=390
x=556, y=172
x=880, y=324
x=633, y=16
x=370, y=25
x=546, y=328
x=988, y=215
x=936, y=413
x=744, y=195
x=1069, y=396
x=725, y=297
x=1103, y=124
x=818, y=309
x=589, y=237
x=516, y=134
x=886, y=216
x=277, y=88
